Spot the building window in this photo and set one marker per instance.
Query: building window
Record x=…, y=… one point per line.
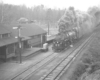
x=5, y=35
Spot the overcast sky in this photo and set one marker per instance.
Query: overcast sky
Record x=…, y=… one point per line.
x=78, y=4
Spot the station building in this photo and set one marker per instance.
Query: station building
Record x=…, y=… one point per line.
x=32, y=35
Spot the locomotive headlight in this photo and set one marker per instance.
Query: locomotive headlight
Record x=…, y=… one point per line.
x=57, y=42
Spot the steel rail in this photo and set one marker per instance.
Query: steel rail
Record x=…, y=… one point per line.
x=32, y=72
x=21, y=72
x=72, y=60
x=51, y=74
x=31, y=66
x=50, y=69
x=17, y=77
x=36, y=68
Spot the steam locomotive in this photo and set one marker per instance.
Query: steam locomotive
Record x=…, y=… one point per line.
x=66, y=39
x=72, y=26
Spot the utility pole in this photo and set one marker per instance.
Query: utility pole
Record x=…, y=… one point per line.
x=41, y=40
x=19, y=41
x=21, y=21
x=48, y=28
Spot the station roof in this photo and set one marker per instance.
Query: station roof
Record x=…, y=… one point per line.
x=27, y=29
x=7, y=41
x=4, y=29
x=10, y=40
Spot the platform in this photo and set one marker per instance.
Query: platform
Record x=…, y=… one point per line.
x=10, y=68
x=30, y=51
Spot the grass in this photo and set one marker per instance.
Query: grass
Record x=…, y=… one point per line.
x=78, y=71
x=90, y=59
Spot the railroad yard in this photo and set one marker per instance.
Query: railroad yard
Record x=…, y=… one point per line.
x=53, y=65
x=58, y=65
x=49, y=44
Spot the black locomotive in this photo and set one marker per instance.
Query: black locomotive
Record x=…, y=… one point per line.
x=66, y=39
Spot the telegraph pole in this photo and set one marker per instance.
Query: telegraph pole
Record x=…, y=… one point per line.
x=19, y=45
x=48, y=28
x=19, y=42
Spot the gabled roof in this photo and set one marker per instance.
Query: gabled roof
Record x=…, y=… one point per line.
x=27, y=29
x=4, y=29
x=7, y=41
x=10, y=40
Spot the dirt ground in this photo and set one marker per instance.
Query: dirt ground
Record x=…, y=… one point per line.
x=52, y=31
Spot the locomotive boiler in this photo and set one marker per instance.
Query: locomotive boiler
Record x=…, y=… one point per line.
x=65, y=40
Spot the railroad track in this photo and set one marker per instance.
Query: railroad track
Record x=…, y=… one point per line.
x=33, y=69
x=52, y=56
x=57, y=70
x=37, y=67
x=26, y=69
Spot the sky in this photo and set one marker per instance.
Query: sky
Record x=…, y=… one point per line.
x=78, y=4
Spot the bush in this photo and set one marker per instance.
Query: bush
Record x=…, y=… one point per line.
x=90, y=61
x=78, y=71
x=95, y=54
x=95, y=67
x=87, y=58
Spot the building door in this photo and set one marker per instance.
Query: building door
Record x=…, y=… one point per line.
x=25, y=44
x=3, y=52
x=10, y=51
